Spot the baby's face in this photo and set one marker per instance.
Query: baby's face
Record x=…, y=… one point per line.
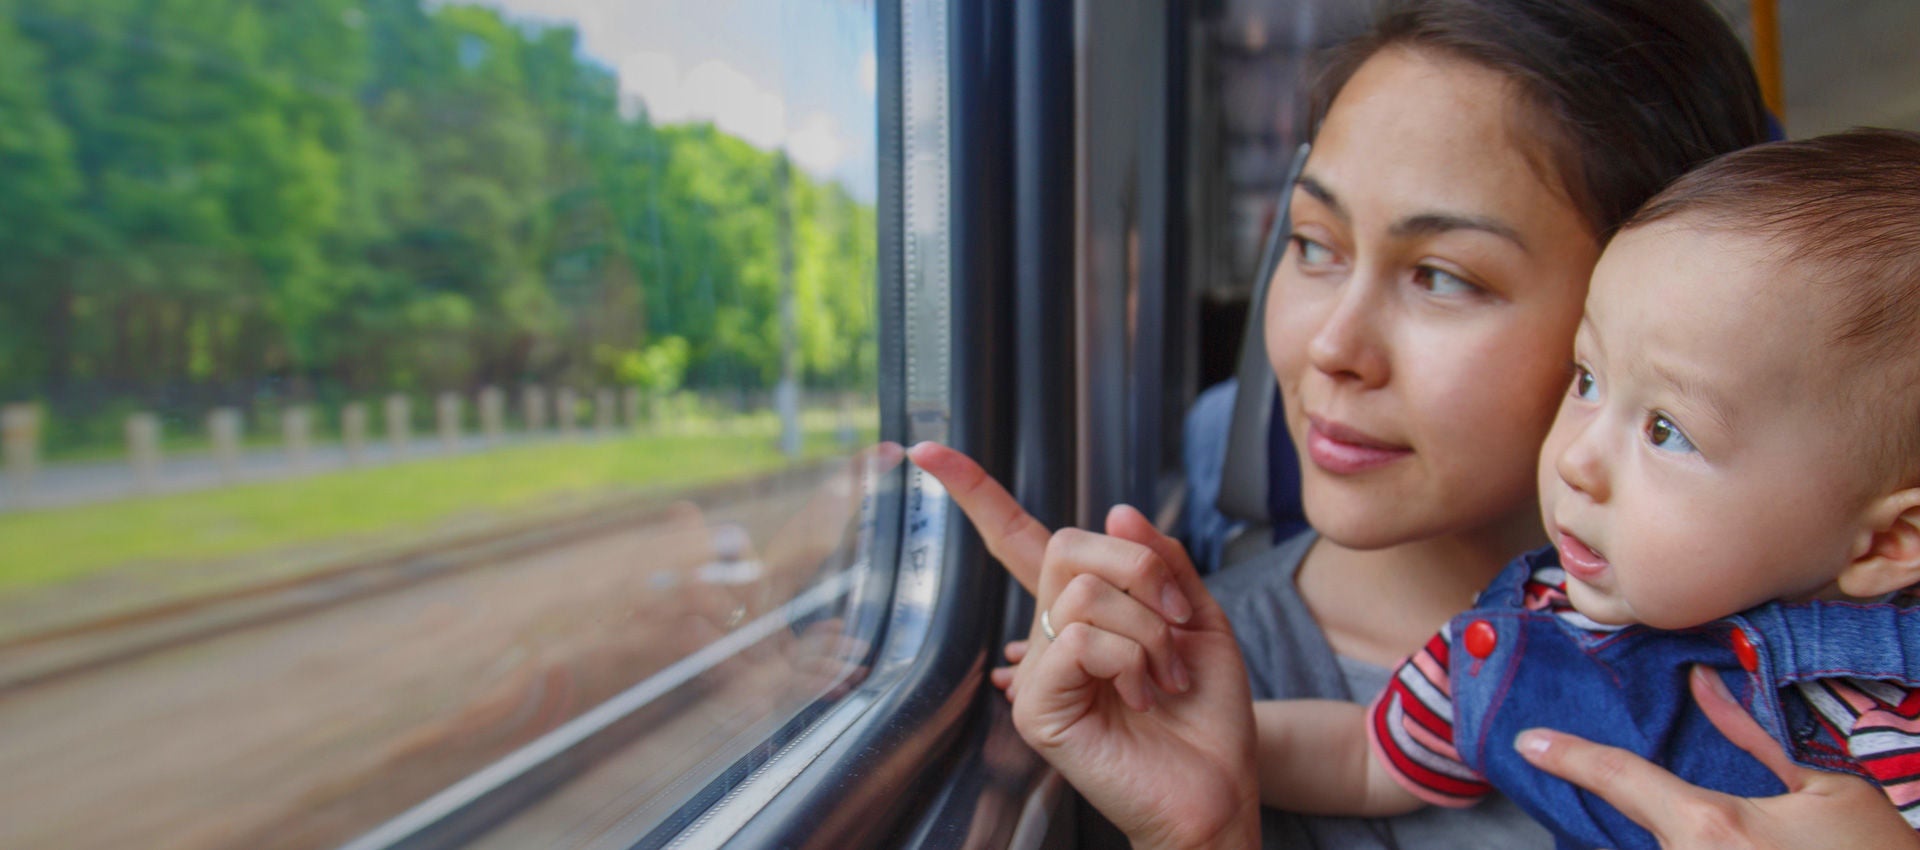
x=1703, y=460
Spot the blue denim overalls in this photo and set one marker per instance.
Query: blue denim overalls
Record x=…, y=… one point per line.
x=1629, y=689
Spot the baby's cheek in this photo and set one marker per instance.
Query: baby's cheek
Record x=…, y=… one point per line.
x=1687, y=580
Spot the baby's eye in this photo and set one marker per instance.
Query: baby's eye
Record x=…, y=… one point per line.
x=1584, y=385
x=1441, y=282
x=1667, y=436
x=1312, y=253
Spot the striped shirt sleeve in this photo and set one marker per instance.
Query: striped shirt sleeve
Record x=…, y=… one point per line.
x=1410, y=727
x=1880, y=722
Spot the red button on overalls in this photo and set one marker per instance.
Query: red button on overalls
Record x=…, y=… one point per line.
x=1481, y=639
x=1743, y=650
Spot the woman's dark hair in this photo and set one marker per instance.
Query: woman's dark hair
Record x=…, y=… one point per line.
x=1630, y=93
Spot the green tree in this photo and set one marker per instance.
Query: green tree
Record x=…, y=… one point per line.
x=206, y=198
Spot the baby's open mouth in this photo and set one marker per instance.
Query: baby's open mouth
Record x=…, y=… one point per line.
x=1578, y=559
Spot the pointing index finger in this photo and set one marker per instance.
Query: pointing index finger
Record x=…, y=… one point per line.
x=1012, y=535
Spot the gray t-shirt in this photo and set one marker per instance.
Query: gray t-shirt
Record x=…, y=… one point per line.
x=1288, y=658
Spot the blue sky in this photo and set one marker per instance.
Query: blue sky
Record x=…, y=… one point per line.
x=797, y=74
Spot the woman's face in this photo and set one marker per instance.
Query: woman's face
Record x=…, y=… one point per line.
x=1421, y=321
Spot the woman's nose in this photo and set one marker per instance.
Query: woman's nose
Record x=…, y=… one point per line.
x=1348, y=344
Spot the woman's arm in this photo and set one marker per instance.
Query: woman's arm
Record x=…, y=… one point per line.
x=1819, y=810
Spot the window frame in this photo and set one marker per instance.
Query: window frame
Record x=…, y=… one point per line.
x=915, y=752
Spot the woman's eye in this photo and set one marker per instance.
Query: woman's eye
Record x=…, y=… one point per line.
x=1313, y=253
x=1440, y=282
x=1667, y=436
x=1584, y=385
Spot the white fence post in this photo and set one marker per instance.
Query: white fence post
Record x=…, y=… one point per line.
x=223, y=430
x=296, y=430
x=399, y=422
x=20, y=434
x=493, y=416
x=533, y=403
x=143, y=449
x=447, y=415
x=353, y=432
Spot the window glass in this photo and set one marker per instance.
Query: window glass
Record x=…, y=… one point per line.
x=414, y=409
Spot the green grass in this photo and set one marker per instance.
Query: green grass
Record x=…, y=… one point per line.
x=45, y=547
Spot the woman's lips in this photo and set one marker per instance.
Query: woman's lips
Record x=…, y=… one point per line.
x=1341, y=450
x=1579, y=559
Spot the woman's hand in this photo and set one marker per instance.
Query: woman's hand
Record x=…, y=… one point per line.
x=1819, y=810
x=1140, y=699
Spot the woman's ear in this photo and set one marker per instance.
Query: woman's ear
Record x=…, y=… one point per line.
x=1888, y=557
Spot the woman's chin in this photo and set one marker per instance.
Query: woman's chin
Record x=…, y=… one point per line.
x=1360, y=521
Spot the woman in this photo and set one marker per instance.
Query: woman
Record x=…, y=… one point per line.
x=1470, y=161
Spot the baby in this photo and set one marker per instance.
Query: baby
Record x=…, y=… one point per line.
x=1733, y=481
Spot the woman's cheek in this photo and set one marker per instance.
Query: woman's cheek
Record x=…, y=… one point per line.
x=1288, y=331
x=1297, y=310
x=1494, y=410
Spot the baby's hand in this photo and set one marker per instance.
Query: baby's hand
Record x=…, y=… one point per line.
x=1005, y=677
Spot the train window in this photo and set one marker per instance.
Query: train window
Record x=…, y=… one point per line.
x=435, y=423
x=439, y=421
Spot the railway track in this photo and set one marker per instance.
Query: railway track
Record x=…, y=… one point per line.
x=304, y=713
x=81, y=647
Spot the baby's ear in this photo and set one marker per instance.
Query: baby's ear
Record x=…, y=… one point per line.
x=1888, y=558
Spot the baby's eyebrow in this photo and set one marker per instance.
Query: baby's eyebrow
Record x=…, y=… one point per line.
x=1695, y=391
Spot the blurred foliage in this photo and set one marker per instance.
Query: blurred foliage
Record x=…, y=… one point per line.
x=235, y=202
x=659, y=368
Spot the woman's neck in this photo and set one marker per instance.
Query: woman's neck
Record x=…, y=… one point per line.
x=1381, y=605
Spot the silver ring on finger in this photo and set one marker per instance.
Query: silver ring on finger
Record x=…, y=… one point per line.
x=1046, y=625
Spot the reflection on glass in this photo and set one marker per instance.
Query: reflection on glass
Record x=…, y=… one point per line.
x=386, y=384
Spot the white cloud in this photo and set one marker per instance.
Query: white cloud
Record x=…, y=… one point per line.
x=717, y=90
x=712, y=91
x=869, y=73
x=654, y=79
x=816, y=144
x=720, y=92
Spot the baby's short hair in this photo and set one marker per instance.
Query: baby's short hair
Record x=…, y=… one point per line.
x=1844, y=210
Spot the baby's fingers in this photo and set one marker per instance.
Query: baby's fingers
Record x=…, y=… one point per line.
x=1006, y=678
x=1003, y=678
x=1016, y=651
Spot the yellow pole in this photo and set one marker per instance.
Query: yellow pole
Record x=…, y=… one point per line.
x=1766, y=55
